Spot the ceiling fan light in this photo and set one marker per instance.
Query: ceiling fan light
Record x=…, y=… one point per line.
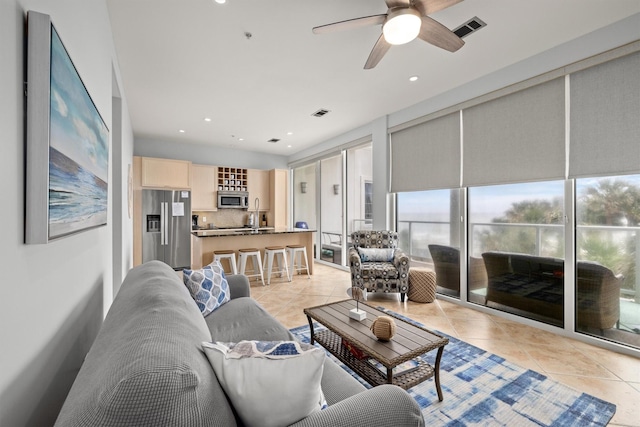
x=402, y=26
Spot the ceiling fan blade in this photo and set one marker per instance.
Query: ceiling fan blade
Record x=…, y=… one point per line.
x=381, y=47
x=398, y=3
x=438, y=35
x=350, y=24
x=427, y=7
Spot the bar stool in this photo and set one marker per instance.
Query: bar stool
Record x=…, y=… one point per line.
x=294, y=252
x=271, y=253
x=230, y=256
x=254, y=254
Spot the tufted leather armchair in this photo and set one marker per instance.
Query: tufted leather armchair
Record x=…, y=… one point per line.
x=379, y=276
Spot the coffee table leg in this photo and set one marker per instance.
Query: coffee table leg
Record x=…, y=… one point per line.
x=437, y=373
x=390, y=375
x=311, y=340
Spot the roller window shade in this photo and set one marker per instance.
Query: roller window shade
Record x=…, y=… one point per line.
x=605, y=119
x=516, y=138
x=426, y=156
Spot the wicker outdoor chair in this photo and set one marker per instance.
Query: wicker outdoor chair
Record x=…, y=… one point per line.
x=598, y=296
x=446, y=263
x=390, y=275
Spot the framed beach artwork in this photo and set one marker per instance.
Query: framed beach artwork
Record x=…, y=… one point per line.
x=67, y=142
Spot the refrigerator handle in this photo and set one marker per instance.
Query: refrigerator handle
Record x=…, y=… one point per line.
x=166, y=223
x=163, y=221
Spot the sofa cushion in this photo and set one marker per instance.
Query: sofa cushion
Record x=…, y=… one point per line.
x=379, y=270
x=208, y=286
x=270, y=383
x=245, y=319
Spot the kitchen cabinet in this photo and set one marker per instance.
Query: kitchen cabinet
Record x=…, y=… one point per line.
x=258, y=186
x=279, y=197
x=204, y=188
x=165, y=173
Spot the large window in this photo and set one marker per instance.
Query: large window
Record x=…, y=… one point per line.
x=607, y=240
x=516, y=231
x=429, y=232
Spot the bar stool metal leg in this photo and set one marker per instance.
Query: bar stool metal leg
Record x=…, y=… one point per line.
x=230, y=256
x=257, y=263
x=294, y=252
x=271, y=254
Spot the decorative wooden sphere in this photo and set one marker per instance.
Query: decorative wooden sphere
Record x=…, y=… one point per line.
x=384, y=328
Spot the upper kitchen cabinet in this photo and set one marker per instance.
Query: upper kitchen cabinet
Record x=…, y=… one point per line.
x=258, y=186
x=204, y=188
x=166, y=173
x=279, y=197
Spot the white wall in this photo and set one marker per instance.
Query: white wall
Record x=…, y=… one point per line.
x=205, y=155
x=53, y=297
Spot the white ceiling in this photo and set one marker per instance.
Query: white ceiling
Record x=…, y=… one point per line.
x=184, y=60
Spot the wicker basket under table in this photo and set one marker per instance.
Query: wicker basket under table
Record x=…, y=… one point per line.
x=409, y=342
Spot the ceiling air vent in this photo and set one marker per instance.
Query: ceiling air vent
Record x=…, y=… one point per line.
x=471, y=26
x=321, y=112
x=273, y=140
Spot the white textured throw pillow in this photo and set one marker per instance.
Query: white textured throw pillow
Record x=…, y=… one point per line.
x=376, y=254
x=208, y=287
x=269, y=383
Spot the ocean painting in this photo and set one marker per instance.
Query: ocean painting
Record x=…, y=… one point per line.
x=78, y=151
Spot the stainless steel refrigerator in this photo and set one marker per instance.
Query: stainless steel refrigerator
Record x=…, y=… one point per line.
x=166, y=227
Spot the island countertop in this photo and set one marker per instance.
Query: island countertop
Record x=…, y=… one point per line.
x=205, y=242
x=246, y=231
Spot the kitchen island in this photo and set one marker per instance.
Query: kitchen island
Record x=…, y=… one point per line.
x=204, y=242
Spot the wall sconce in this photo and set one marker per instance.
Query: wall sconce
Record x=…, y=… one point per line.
x=336, y=189
x=303, y=187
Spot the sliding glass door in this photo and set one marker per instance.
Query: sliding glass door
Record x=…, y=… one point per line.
x=607, y=255
x=331, y=209
x=304, y=196
x=359, y=189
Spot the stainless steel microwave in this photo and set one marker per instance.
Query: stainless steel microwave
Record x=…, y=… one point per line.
x=233, y=200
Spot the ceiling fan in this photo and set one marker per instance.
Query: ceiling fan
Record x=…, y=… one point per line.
x=404, y=21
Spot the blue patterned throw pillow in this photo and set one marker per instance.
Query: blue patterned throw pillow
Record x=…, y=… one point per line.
x=208, y=287
x=269, y=383
x=376, y=254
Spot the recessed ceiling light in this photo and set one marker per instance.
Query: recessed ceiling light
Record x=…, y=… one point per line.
x=221, y=1
x=207, y=119
x=413, y=78
x=240, y=139
x=182, y=131
x=289, y=146
x=289, y=133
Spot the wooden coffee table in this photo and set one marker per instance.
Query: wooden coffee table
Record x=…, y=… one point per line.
x=407, y=344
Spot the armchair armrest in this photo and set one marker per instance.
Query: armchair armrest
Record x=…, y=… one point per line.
x=401, y=261
x=239, y=285
x=354, y=266
x=354, y=257
x=385, y=405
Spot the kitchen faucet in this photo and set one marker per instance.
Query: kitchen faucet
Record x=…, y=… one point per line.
x=257, y=217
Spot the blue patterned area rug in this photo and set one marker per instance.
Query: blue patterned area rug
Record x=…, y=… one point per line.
x=483, y=389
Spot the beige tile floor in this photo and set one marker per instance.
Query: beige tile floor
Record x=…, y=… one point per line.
x=608, y=375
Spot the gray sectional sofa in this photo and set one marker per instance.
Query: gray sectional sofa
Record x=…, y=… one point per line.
x=147, y=368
